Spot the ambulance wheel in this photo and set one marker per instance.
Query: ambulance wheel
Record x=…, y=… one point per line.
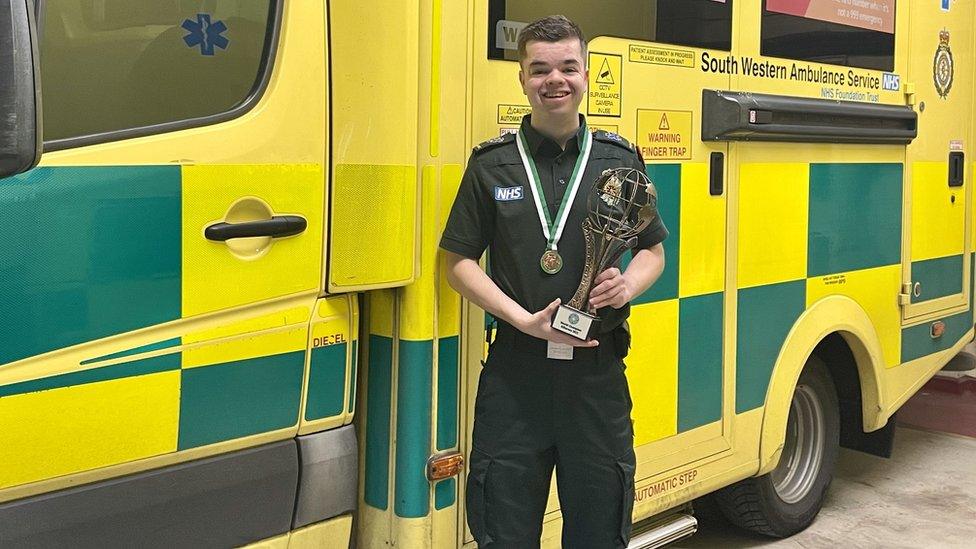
x=786, y=500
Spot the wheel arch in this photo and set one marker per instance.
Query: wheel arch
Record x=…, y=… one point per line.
x=822, y=322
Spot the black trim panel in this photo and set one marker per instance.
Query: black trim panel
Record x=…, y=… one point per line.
x=744, y=116
x=223, y=501
x=329, y=482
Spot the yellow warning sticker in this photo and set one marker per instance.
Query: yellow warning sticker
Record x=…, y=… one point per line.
x=512, y=114
x=606, y=73
x=662, y=56
x=664, y=135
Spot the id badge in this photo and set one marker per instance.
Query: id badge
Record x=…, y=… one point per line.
x=559, y=351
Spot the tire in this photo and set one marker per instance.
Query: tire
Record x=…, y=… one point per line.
x=786, y=500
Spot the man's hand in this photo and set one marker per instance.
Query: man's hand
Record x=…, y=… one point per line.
x=616, y=290
x=539, y=325
x=611, y=288
x=465, y=276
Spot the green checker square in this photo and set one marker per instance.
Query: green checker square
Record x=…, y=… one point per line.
x=667, y=179
x=938, y=277
x=414, y=379
x=352, y=380
x=447, y=392
x=240, y=398
x=116, y=234
x=379, y=387
x=700, y=360
x=917, y=341
x=326, y=382
x=765, y=316
x=445, y=493
x=855, y=217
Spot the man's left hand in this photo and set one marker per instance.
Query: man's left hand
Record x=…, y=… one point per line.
x=611, y=288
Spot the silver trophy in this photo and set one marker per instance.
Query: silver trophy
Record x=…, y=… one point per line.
x=622, y=204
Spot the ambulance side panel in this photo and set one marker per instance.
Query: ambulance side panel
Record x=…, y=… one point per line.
x=162, y=269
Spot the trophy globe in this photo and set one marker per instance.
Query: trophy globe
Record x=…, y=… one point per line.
x=623, y=203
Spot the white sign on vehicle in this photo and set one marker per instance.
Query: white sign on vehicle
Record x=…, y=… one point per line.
x=506, y=34
x=891, y=82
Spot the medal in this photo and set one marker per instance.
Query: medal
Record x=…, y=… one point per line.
x=551, y=262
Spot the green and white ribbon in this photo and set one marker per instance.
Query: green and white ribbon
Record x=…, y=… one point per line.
x=553, y=228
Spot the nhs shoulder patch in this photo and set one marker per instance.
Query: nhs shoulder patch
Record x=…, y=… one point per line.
x=507, y=194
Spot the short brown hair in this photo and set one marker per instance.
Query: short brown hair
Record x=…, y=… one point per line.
x=549, y=29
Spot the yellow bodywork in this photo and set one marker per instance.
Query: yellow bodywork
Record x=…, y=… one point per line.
x=334, y=532
x=238, y=302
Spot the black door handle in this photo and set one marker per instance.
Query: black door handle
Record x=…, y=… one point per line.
x=716, y=178
x=957, y=168
x=278, y=226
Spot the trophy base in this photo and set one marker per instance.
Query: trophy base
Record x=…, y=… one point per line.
x=575, y=323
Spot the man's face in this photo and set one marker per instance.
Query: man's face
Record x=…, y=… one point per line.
x=553, y=76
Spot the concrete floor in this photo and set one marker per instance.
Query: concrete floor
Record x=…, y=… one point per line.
x=924, y=496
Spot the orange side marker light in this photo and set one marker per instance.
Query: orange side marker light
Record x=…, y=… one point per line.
x=442, y=466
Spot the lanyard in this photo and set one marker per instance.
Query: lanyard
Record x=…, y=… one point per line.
x=553, y=228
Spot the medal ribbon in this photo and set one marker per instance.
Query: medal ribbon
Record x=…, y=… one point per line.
x=553, y=229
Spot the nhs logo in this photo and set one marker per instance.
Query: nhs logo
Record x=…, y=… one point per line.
x=890, y=82
x=507, y=194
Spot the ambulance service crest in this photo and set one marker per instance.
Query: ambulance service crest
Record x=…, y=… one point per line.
x=943, y=67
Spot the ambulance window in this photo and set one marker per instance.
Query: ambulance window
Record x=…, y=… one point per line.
x=110, y=66
x=819, y=31
x=695, y=23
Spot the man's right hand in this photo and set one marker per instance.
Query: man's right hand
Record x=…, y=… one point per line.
x=539, y=325
x=465, y=275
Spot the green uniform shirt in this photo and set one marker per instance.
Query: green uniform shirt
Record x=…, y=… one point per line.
x=494, y=210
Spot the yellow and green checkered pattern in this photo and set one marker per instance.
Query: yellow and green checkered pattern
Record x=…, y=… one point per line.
x=675, y=363
x=805, y=231
x=131, y=256
x=146, y=407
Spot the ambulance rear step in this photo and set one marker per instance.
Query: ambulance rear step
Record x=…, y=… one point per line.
x=663, y=531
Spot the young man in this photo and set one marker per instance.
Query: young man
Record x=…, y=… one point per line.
x=544, y=398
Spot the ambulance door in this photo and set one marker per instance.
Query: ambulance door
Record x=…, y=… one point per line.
x=936, y=245
x=819, y=146
x=645, y=63
x=161, y=265
x=645, y=85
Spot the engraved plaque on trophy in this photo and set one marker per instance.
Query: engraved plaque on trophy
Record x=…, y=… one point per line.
x=623, y=203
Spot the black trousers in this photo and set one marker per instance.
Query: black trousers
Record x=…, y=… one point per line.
x=533, y=414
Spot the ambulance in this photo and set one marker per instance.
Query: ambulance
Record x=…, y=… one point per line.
x=225, y=321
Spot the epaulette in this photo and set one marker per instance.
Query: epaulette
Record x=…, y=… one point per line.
x=494, y=142
x=610, y=137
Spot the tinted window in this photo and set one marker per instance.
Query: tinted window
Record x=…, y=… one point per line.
x=111, y=65
x=808, y=38
x=694, y=23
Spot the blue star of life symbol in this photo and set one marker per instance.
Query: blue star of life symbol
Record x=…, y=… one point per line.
x=205, y=34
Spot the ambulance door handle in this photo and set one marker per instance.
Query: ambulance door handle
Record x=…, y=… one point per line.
x=278, y=226
x=957, y=168
x=716, y=178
